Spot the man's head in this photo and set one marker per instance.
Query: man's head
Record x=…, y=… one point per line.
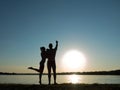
x=50, y=45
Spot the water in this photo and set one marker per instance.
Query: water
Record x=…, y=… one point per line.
x=34, y=79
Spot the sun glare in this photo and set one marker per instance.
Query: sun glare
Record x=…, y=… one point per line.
x=74, y=79
x=74, y=59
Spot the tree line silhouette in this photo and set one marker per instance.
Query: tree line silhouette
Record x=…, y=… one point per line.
x=112, y=72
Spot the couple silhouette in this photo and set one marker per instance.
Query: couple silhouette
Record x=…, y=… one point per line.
x=50, y=55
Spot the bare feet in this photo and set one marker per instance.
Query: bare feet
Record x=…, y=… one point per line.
x=40, y=82
x=30, y=67
x=55, y=83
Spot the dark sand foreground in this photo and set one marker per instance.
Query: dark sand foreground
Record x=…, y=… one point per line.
x=60, y=87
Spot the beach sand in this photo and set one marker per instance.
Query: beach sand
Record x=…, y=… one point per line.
x=60, y=87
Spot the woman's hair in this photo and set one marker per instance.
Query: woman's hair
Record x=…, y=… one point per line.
x=42, y=48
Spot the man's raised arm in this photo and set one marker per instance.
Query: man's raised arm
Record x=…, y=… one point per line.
x=56, y=45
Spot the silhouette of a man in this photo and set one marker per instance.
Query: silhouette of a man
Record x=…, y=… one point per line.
x=51, y=53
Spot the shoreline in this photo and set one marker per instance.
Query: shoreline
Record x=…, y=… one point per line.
x=111, y=72
x=63, y=86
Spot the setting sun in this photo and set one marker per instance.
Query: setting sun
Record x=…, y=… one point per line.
x=74, y=59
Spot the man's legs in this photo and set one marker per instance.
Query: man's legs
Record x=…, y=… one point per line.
x=54, y=72
x=49, y=71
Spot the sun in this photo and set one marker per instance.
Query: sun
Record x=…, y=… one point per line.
x=74, y=59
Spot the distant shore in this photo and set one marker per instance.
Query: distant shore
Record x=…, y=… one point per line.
x=66, y=86
x=112, y=72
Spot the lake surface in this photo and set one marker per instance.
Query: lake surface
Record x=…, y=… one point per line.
x=34, y=79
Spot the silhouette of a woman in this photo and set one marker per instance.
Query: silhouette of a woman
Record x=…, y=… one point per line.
x=41, y=68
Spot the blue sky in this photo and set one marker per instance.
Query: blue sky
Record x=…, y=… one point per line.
x=90, y=26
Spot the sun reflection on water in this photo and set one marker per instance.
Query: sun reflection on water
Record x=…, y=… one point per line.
x=75, y=79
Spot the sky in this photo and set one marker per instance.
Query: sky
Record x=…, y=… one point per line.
x=89, y=26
